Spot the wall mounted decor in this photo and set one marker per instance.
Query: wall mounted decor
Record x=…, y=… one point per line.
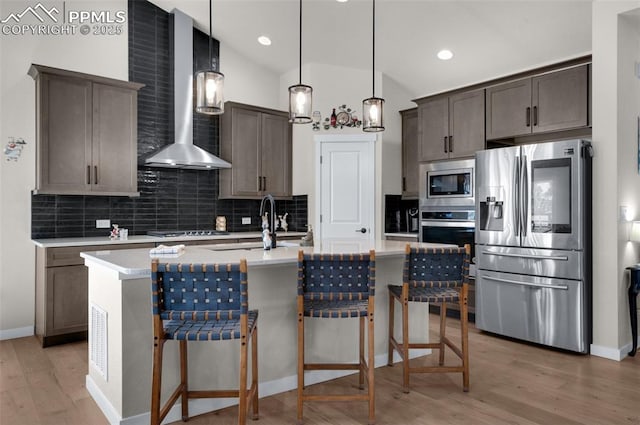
x=343, y=118
x=13, y=150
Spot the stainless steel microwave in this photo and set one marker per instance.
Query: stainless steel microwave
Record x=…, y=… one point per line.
x=447, y=183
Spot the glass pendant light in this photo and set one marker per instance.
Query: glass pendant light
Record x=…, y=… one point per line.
x=300, y=95
x=372, y=108
x=210, y=85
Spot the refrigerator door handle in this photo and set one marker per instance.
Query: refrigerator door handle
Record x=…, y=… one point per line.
x=516, y=197
x=528, y=256
x=535, y=285
x=524, y=196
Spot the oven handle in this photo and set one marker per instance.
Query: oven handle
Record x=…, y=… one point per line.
x=447, y=223
x=529, y=256
x=535, y=285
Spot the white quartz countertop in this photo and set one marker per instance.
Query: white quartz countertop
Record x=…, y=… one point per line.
x=104, y=240
x=134, y=263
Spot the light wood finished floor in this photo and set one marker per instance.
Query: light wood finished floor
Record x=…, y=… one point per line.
x=511, y=383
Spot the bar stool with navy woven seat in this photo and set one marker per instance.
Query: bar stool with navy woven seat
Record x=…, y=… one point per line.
x=202, y=302
x=432, y=275
x=337, y=286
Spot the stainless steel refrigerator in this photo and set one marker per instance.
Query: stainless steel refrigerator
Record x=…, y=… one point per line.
x=533, y=243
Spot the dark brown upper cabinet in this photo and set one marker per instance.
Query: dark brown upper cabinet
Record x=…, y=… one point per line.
x=257, y=142
x=554, y=101
x=86, y=131
x=410, y=153
x=451, y=126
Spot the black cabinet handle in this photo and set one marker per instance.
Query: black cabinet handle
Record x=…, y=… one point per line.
x=450, y=143
x=362, y=230
x=95, y=174
x=88, y=174
x=528, y=116
x=404, y=184
x=535, y=115
x=445, y=144
x=259, y=183
x=264, y=183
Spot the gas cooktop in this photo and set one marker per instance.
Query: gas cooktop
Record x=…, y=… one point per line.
x=172, y=233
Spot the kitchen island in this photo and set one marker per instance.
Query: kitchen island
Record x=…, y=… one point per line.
x=121, y=331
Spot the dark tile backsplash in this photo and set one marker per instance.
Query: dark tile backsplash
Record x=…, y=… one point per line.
x=169, y=199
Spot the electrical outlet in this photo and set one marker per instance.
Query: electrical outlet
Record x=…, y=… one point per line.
x=103, y=224
x=246, y=220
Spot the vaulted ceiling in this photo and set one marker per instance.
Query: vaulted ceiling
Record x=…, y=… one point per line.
x=488, y=38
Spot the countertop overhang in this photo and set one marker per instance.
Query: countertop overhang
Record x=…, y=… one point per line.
x=136, y=263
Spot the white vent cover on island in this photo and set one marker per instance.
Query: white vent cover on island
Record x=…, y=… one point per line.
x=98, y=340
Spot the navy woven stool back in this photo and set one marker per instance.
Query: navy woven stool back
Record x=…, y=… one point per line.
x=202, y=302
x=432, y=275
x=338, y=286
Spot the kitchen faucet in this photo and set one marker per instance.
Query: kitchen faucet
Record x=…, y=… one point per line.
x=272, y=217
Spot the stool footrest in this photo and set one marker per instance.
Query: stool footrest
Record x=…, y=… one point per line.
x=170, y=402
x=331, y=366
x=454, y=348
x=213, y=394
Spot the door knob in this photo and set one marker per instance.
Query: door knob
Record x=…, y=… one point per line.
x=363, y=230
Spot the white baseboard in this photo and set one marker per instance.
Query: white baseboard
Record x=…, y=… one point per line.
x=16, y=333
x=199, y=406
x=616, y=354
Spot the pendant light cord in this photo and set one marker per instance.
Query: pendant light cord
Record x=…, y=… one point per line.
x=300, y=56
x=373, y=65
x=210, y=19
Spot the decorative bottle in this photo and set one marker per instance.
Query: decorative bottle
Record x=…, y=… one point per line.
x=333, y=118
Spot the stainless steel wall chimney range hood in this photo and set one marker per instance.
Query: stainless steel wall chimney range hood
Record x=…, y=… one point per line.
x=183, y=153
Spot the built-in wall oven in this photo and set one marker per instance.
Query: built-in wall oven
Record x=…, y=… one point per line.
x=447, y=202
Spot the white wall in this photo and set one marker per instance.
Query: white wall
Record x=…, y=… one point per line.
x=612, y=106
x=94, y=54
x=334, y=86
x=246, y=82
x=628, y=145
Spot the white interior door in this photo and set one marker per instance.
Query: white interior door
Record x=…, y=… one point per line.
x=347, y=187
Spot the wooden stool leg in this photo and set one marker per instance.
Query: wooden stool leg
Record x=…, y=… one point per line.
x=391, y=325
x=443, y=323
x=361, y=355
x=156, y=381
x=242, y=388
x=184, y=377
x=300, y=358
x=254, y=371
x=464, y=325
x=405, y=340
x=371, y=369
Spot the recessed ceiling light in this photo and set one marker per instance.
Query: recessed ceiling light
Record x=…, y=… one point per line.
x=264, y=40
x=445, y=54
x=342, y=1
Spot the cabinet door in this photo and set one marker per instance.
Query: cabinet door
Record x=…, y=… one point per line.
x=276, y=155
x=66, y=299
x=433, y=127
x=64, y=149
x=410, y=154
x=560, y=100
x=246, y=158
x=114, y=168
x=466, y=124
x=509, y=109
